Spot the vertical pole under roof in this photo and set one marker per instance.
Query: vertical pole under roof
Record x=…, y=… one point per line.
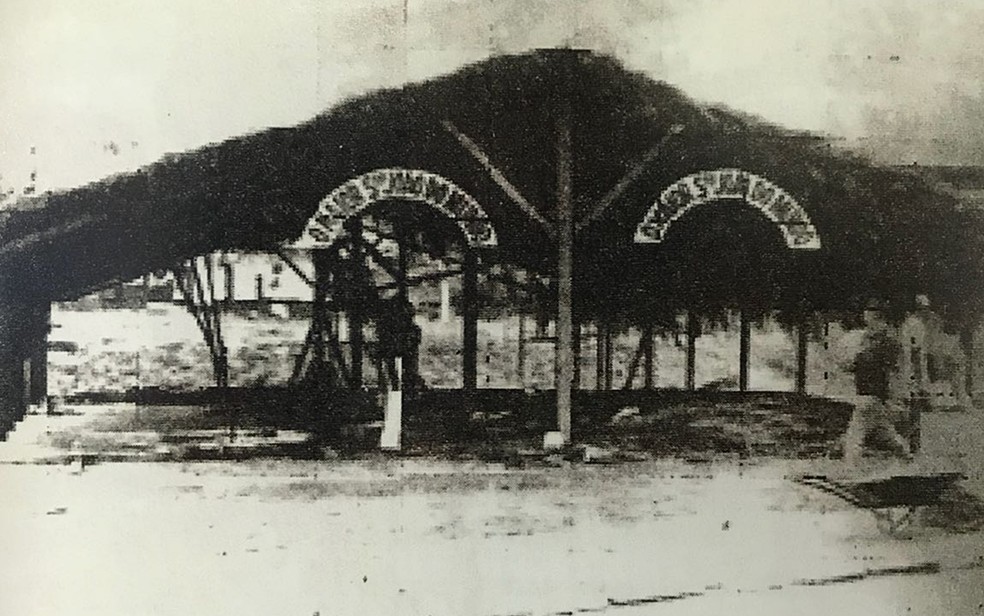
x=576, y=346
x=967, y=346
x=37, y=349
x=744, y=350
x=357, y=315
x=692, y=325
x=647, y=355
x=600, y=336
x=319, y=311
x=565, y=272
x=802, y=338
x=469, y=290
x=609, y=353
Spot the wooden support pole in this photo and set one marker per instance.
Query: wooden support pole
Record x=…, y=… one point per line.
x=521, y=350
x=36, y=350
x=469, y=292
x=693, y=326
x=356, y=321
x=744, y=350
x=10, y=381
x=802, y=338
x=647, y=355
x=634, y=365
x=10, y=369
x=220, y=358
x=576, y=346
x=402, y=259
x=967, y=346
x=600, y=337
x=319, y=312
x=20, y=334
x=609, y=380
x=564, y=355
x=445, y=296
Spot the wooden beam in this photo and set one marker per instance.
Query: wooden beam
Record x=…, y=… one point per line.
x=391, y=269
x=190, y=289
x=301, y=358
x=293, y=266
x=50, y=234
x=630, y=176
x=497, y=176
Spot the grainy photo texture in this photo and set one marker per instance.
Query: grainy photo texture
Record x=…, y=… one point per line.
x=491, y=307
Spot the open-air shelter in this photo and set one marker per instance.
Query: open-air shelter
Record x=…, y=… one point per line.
x=637, y=201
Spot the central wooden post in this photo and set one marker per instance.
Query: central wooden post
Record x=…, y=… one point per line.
x=565, y=272
x=744, y=348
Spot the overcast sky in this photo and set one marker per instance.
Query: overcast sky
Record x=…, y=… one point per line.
x=99, y=86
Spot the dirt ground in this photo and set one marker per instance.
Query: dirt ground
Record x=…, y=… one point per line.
x=385, y=535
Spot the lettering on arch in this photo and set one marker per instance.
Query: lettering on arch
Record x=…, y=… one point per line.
x=728, y=184
x=414, y=185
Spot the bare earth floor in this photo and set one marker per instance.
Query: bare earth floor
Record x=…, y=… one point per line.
x=400, y=536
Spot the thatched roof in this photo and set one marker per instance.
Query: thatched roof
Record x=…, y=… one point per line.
x=885, y=234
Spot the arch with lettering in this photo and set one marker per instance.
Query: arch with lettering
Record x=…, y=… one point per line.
x=724, y=186
x=413, y=185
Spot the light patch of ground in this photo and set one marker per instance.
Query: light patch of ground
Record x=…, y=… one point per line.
x=387, y=536
x=160, y=346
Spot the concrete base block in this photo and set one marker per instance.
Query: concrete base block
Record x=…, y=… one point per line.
x=553, y=441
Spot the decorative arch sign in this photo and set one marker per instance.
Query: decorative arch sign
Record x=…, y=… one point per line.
x=413, y=185
x=724, y=186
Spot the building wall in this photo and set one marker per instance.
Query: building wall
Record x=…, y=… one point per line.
x=247, y=277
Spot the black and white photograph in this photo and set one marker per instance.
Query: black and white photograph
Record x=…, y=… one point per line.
x=491, y=307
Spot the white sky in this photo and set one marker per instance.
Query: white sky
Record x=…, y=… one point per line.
x=901, y=80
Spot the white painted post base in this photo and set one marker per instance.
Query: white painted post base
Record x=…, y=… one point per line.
x=391, y=437
x=553, y=441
